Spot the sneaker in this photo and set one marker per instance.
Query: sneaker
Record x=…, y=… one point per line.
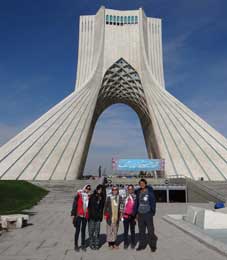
x=83, y=248
x=76, y=248
x=96, y=248
x=133, y=246
x=125, y=246
x=139, y=248
x=92, y=247
x=153, y=249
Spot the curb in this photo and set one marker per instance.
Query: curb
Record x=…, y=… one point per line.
x=196, y=233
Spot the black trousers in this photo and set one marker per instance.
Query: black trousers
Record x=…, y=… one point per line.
x=145, y=221
x=129, y=222
x=80, y=225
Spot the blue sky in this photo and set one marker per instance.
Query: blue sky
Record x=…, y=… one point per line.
x=38, y=58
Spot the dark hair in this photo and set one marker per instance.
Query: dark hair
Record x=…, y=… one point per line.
x=131, y=185
x=143, y=180
x=88, y=186
x=115, y=187
x=99, y=187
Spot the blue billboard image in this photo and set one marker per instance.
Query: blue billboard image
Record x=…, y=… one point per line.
x=139, y=165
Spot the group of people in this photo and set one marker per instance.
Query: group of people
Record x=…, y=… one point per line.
x=138, y=206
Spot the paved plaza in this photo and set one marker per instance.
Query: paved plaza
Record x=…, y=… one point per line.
x=50, y=235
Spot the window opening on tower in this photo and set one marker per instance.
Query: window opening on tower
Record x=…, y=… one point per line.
x=121, y=20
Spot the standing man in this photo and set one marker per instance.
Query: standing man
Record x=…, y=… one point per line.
x=79, y=215
x=100, y=171
x=145, y=209
x=129, y=217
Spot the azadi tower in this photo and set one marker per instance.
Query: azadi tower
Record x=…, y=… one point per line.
x=120, y=61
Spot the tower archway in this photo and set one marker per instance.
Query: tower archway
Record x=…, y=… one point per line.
x=122, y=84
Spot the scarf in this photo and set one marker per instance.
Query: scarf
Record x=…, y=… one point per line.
x=85, y=198
x=114, y=206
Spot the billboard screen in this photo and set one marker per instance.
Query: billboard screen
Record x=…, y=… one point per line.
x=138, y=165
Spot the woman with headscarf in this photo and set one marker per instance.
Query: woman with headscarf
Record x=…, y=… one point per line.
x=95, y=216
x=129, y=217
x=113, y=213
x=79, y=215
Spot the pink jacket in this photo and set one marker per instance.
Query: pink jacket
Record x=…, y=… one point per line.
x=129, y=206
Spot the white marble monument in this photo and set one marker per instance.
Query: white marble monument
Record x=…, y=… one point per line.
x=119, y=61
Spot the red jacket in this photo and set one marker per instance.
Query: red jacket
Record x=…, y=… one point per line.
x=77, y=209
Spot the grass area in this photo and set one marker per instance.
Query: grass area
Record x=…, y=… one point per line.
x=16, y=196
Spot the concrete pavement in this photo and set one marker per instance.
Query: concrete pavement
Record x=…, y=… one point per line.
x=50, y=237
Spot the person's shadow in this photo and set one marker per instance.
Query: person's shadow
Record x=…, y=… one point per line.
x=102, y=240
x=120, y=239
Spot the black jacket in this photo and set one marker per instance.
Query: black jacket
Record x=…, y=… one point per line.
x=95, y=207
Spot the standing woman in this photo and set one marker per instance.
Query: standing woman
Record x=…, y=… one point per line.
x=79, y=215
x=113, y=213
x=95, y=216
x=129, y=217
